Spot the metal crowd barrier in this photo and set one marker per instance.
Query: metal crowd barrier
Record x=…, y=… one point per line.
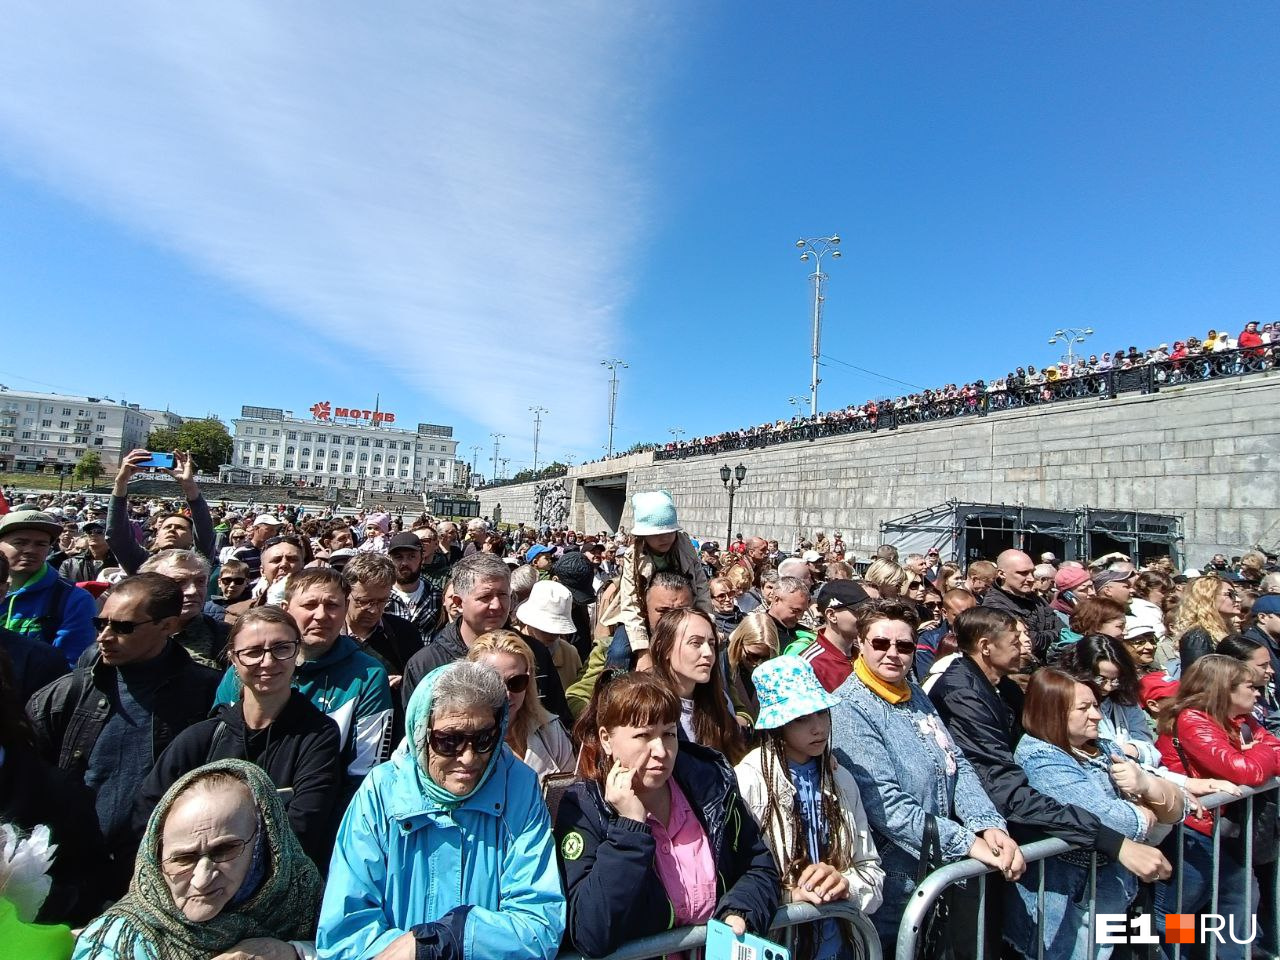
x=690, y=940
x=936, y=883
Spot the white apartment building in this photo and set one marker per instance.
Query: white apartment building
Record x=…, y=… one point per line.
x=50, y=431
x=348, y=449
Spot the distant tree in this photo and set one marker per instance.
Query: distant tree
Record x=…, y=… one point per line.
x=89, y=467
x=208, y=440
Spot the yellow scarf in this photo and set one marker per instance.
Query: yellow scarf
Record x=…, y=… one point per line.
x=894, y=693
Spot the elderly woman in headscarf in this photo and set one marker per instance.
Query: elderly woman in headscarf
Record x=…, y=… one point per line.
x=446, y=850
x=219, y=875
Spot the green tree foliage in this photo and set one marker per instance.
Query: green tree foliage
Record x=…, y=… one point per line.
x=89, y=467
x=208, y=440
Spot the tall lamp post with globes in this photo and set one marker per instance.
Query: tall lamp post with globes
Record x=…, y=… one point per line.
x=1071, y=336
x=815, y=248
x=732, y=480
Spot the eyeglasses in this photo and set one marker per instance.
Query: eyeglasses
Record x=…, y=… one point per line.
x=121, y=628
x=880, y=644
x=1107, y=682
x=1143, y=641
x=232, y=581
x=183, y=864
x=455, y=744
x=721, y=596
x=252, y=656
x=517, y=684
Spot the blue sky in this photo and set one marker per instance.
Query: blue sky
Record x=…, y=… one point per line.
x=465, y=209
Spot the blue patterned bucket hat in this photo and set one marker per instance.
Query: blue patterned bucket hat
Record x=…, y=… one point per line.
x=788, y=689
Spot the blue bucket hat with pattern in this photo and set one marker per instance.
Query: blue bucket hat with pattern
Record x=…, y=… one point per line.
x=788, y=689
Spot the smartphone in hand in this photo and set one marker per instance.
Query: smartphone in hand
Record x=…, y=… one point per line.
x=157, y=461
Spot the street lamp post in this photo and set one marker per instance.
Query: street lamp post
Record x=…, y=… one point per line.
x=475, y=449
x=613, y=365
x=496, y=437
x=796, y=403
x=732, y=480
x=504, y=462
x=676, y=433
x=815, y=248
x=1071, y=336
x=537, y=430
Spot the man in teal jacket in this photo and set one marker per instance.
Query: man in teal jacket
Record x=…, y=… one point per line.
x=40, y=604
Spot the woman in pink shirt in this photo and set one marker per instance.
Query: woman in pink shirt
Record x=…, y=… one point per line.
x=655, y=835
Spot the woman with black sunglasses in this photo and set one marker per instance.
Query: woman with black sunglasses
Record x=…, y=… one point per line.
x=269, y=724
x=446, y=849
x=888, y=734
x=534, y=733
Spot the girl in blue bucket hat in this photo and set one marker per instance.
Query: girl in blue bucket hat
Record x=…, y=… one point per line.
x=808, y=806
x=660, y=545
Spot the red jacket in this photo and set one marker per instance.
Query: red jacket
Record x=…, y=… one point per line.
x=1213, y=752
x=1247, y=340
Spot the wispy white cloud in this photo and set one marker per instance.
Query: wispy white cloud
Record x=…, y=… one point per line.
x=421, y=181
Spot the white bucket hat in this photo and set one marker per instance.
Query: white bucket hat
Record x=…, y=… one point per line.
x=655, y=514
x=549, y=608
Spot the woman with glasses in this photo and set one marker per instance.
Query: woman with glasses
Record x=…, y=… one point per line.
x=219, y=874
x=270, y=725
x=752, y=642
x=446, y=849
x=1246, y=649
x=534, y=734
x=914, y=780
x=655, y=835
x=1208, y=612
x=1106, y=667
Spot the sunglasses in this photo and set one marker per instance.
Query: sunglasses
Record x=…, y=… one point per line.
x=121, y=628
x=292, y=541
x=905, y=647
x=455, y=744
x=517, y=684
x=231, y=581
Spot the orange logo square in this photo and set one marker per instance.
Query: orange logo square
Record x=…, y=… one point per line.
x=1179, y=928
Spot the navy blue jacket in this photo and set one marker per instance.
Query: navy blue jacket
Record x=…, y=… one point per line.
x=624, y=898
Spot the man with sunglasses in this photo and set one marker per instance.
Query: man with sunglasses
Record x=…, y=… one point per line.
x=109, y=719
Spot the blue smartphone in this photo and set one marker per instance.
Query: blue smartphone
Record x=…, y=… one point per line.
x=723, y=945
x=157, y=461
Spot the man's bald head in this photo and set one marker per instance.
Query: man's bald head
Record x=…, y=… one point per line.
x=1016, y=572
x=758, y=552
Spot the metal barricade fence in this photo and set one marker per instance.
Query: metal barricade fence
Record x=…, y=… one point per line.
x=936, y=883
x=690, y=940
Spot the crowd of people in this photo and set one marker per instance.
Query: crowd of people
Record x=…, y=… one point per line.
x=1219, y=354
x=276, y=736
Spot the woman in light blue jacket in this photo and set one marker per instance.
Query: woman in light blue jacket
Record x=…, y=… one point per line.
x=442, y=837
x=1065, y=758
x=887, y=733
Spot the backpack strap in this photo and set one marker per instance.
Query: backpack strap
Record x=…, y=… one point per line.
x=221, y=737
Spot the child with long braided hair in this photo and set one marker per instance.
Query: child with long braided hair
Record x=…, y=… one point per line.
x=808, y=807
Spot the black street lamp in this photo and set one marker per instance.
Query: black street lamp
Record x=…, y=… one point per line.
x=732, y=480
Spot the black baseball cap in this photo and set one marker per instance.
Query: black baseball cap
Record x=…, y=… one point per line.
x=840, y=593
x=404, y=541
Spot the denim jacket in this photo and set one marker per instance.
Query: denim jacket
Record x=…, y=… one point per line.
x=1062, y=929
x=1127, y=723
x=906, y=765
